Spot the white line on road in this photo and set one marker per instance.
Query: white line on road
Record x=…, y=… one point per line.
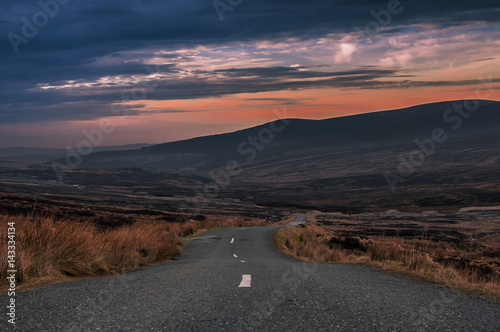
x=243, y=261
x=205, y=237
x=234, y=255
x=232, y=240
x=246, y=279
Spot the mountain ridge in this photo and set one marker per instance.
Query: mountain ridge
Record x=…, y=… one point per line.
x=368, y=130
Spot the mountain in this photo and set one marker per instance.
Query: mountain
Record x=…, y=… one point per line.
x=457, y=120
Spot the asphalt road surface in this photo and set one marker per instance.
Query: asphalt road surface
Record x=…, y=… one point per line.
x=233, y=279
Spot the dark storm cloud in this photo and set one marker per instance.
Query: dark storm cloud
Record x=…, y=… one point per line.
x=83, y=31
x=95, y=103
x=295, y=72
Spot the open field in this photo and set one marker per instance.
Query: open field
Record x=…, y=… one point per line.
x=459, y=250
x=112, y=198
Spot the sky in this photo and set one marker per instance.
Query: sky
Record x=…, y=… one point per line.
x=154, y=71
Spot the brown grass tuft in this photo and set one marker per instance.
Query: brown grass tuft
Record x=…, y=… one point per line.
x=312, y=243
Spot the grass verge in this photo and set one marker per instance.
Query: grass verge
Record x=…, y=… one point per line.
x=50, y=249
x=412, y=260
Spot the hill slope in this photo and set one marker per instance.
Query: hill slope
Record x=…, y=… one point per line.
x=388, y=129
x=41, y=155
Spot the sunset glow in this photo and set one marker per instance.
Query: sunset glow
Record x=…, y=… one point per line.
x=207, y=86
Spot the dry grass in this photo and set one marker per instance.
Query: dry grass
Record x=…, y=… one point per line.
x=402, y=257
x=50, y=249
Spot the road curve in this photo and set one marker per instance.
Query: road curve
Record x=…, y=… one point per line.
x=232, y=279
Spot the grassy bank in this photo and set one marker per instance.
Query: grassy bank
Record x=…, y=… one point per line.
x=50, y=249
x=409, y=259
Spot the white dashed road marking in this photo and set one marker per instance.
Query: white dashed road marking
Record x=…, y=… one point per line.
x=246, y=279
x=232, y=240
x=234, y=255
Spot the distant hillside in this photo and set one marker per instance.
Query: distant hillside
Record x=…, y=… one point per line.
x=387, y=129
x=41, y=155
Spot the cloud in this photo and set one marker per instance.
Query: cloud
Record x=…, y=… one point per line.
x=93, y=53
x=345, y=53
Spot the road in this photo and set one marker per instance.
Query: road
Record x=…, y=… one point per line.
x=232, y=279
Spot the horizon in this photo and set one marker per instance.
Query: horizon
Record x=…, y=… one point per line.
x=208, y=69
x=248, y=127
